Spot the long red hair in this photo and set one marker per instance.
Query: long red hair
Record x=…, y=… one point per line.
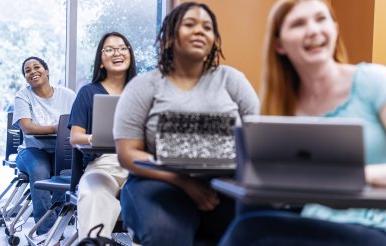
x=280, y=81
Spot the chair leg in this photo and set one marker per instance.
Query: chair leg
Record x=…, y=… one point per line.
x=12, y=204
x=70, y=240
x=25, y=211
x=60, y=225
x=56, y=232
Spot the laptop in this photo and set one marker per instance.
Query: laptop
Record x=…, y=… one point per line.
x=103, y=119
x=195, y=142
x=301, y=153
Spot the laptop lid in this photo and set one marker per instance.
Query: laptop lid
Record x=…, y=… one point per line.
x=302, y=153
x=195, y=138
x=103, y=118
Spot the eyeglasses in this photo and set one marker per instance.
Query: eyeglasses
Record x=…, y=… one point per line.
x=109, y=51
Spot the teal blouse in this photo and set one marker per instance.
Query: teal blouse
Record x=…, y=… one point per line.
x=367, y=98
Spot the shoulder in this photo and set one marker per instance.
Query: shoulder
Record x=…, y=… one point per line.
x=227, y=70
x=145, y=81
x=370, y=73
x=24, y=93
x=64, y=90
x=370, y=82
x=90, y=89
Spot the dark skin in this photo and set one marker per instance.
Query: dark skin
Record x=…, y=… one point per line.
x=37, y=77
x=194, y=42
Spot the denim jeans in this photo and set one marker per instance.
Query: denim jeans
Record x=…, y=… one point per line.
x=162, y=214
x=270, y=228
x=37, y=164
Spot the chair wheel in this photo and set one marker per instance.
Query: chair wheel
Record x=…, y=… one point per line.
x=12, y=240
x=6, y=231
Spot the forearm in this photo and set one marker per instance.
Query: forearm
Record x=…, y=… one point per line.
x=32, y=128
x=81, y=138
x=126, y=159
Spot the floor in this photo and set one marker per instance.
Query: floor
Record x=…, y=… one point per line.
x=6, y=175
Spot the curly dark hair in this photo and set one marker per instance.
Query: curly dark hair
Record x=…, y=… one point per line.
x=168, y=34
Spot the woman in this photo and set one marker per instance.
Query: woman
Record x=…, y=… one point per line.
x=99, y=186
x=164, y=208
x=306, y=74
x=37, y=111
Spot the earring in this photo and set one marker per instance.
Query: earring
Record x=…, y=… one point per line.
x=101, y=66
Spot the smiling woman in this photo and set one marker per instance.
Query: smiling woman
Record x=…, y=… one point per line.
x=189, y=79
x=37, y=111
x=114, y=66
x=306, y=74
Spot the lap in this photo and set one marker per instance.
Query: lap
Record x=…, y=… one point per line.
x=276, y=227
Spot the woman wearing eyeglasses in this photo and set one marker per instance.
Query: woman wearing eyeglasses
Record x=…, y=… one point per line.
x=114, y=66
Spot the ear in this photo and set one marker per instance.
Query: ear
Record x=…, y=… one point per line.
x=279, y=48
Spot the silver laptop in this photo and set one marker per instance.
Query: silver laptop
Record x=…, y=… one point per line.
x=103, y=117
x=305, y=153
x=195, y=140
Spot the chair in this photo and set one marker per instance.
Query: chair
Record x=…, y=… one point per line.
x=120, y=234
x=60, y=181
x=14, y=139
x=16, y=208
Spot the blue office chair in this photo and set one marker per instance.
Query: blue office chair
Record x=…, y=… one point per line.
x=60, y=181
x=16, y=208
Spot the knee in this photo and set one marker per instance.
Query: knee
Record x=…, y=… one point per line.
x=96, y=186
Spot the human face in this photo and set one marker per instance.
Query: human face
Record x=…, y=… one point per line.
x=35, y=74
x=115, y=55
x=308, y=34
x=195, y=35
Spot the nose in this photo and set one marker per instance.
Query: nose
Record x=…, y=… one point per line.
x=312, y=28
x=199, y=29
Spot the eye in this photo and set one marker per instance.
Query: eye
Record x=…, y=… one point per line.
x=208, y=28
x=297, y=23
x=321, y=18
x=188, y=24
x=123, y=49
x=108, y=50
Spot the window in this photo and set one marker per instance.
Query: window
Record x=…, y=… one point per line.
x=44, y=28
x=136, y=19
x=29, y=28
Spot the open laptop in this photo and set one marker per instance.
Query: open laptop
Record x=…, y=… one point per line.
x=195, y=142
x=301, y=153
x=103, y=118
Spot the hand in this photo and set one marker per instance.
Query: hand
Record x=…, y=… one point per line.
x=376, y=175
x=204, y=196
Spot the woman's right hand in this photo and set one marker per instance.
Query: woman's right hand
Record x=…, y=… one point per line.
x=205, y=197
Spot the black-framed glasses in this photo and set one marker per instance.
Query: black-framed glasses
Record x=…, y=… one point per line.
x=109, y=51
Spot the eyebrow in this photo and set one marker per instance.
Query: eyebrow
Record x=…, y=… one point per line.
x=194, y=19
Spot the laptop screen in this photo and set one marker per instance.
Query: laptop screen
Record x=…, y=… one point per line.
x=190, y=137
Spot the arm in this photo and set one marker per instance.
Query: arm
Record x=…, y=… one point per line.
x=130, y=150
x=242, y=93
x=376, y=174
x=23, y=117
x=28, y=127
x=78, y=136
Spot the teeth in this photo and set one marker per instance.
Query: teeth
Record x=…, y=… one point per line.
x=315, y=43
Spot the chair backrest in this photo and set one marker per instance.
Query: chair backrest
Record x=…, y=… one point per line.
x=14, y=137
x=63, y=148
